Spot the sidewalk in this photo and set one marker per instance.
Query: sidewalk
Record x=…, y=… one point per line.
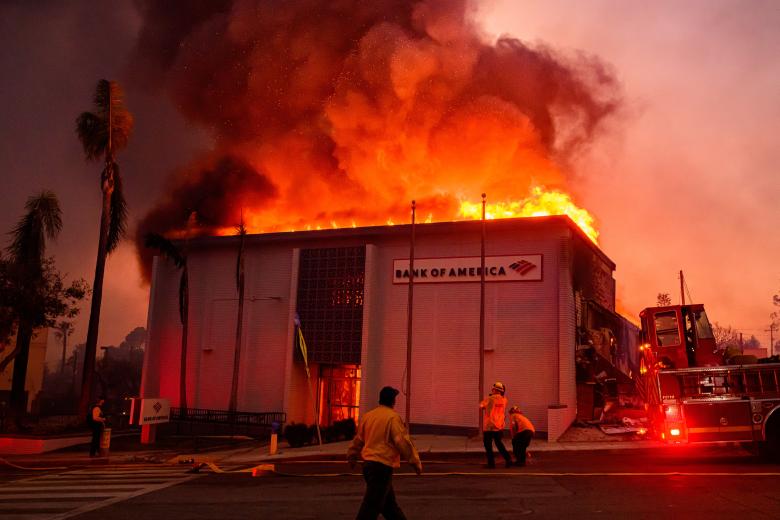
x=129, y=451
x=249, y=452
x=427, y=445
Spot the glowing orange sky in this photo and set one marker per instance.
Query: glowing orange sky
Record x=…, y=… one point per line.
x=689, y=178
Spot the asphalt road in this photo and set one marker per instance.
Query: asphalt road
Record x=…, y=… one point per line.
x=713, y=482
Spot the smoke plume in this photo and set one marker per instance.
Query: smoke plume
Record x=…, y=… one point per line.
x=332, y=112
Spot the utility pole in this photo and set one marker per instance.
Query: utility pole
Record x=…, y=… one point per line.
x=771, y=331
x=482, y=315
x=75, y=363
x=741, y=344
x=409, y=319
x=682, y=288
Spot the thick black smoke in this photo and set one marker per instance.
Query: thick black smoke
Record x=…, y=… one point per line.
x=342, y=101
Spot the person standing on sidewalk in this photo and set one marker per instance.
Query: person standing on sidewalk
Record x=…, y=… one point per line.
x=522, y=432
x=96, y=422
x=493, y=424
x=381, y=440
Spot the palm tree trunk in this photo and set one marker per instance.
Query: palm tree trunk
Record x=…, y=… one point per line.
x=64, y=350
x=237, y=355
x=185, y=319
x=87, y=378
x=19, y=377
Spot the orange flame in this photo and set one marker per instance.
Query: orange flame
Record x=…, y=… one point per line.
x=540, y=202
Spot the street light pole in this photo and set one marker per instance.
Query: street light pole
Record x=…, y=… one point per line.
x=482, y=314
x=409, y=320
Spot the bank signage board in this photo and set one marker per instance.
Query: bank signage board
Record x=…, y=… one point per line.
x=508, y=268
x=150, y=411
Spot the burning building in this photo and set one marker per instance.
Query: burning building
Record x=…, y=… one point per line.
x=349, y=289
x=325, y=118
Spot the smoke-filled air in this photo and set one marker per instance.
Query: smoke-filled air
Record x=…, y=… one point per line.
x=339, y=113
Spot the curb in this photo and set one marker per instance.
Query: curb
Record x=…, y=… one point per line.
x=339, y=456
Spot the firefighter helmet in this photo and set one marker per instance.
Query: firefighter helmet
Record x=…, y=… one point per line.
x=498, y=385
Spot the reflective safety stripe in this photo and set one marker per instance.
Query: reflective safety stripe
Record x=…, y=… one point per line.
x=736, y=428
x=724, y=429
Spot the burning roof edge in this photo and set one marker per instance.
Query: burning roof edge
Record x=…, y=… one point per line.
x=404, y=229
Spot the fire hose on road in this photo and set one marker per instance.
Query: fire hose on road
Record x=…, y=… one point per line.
x=265, y=470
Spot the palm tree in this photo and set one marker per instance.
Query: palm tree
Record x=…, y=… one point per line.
x=178, y=256
x=42, y=221
x=103, y=133
x=63, y=329
x=241, y=231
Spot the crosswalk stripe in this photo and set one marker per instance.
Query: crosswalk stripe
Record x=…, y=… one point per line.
x=129, y=480
x=64, y=495
x=82, y=478
x=92, y=507
x=4, y=506
x=21, y=496
x=22, y=516
x=129, y=472
x=95, y=486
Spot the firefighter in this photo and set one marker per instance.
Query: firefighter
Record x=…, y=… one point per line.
x=493, y=425
x=381, y=440
x=522, y=432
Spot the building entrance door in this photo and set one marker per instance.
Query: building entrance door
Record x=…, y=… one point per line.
x=339, y=393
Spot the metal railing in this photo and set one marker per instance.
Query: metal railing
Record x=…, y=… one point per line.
x=203, y=421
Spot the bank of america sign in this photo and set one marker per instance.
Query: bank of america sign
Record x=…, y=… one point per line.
x=511, y=268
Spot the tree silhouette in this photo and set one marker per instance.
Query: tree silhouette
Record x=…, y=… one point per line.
x=63, y=331
x=241, y=232
x=34, y=292
x=102, y=134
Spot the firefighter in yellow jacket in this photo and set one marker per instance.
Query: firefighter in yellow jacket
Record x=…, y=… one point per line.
x=493, y=424
x=381, y=440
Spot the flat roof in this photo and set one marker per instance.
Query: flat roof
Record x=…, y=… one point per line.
x=421, y=229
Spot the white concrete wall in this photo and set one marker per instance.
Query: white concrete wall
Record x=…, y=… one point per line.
x=562, y=413
x=521, y=333
x=163, y=351
x=529, y=329
x=213, y=319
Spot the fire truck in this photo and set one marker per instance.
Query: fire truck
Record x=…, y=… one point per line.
x=693, y=395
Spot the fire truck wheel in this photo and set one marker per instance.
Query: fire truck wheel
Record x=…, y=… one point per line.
x=773, y=437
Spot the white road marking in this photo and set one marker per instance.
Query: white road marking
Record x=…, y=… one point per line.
x=41, y=505
x=64, y=495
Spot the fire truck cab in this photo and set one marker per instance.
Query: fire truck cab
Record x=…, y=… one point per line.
x=691, y=396
x=680, y=336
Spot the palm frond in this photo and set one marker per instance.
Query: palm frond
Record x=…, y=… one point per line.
x=121, y=118
x=48, y=206
x=92, y=133
x=92, y=127
x=166, y=248
x=102, y=97
x=42, y=220
x=118, y=220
